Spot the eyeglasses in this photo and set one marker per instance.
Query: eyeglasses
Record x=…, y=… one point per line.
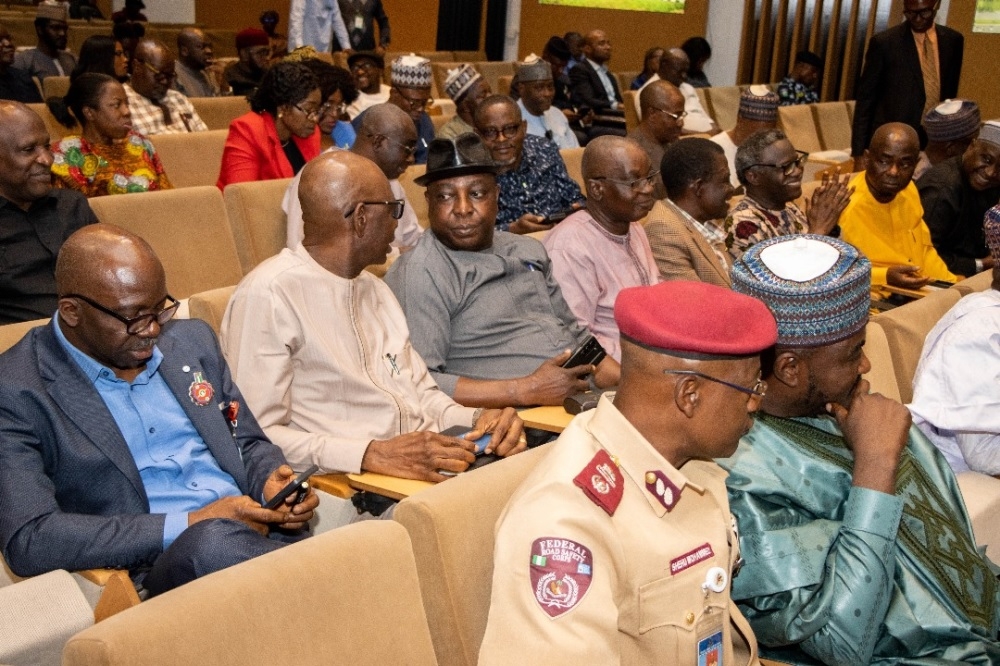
x=396, y=211
x=676, y=117
x=408, y=150
x=924, y=14
x=363, y=64
x=139, y=323
x=494, y=133
x=635, y=185
x=163, y=77
x=310, y=115
x=416, y=103
x=337, y=109
x=759, y=389
x=788, y=168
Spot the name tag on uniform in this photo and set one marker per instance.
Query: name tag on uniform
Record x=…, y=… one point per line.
x=359, y=22
x=710, y=650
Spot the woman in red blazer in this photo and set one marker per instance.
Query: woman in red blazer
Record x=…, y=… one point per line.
x=278, y=137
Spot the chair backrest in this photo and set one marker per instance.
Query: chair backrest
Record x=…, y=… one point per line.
x=56, y=130
x=573, y=158
x=469, y=56
x=415, y=193
x=218, y=112
x=630, y=100
x=188, y=230
x=833, y=124
x=625, y=80
x=725, y=101
x=850, y=109
x=437, y=56
x=882, y=376
x=797, y=123
x=191, y=158
x=349, y=595
x=979, y=282
x=39, y=615
x=492, y=71
x=451, y=526
x=55, y=86
x=906, y=327
x=504, y=84
x=210, y=306
x=11, y=334
x=258, y=223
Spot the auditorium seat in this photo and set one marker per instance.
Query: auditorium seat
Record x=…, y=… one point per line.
x=11, y=334
x=218, y=112
x=188, y=230
x=415, y=193
x=56, y=131
x=625, y=80
x=492, y=71
x=503, y=84
x=38, y=615
x=833, y=124
x=209, y=306
x=573, y=158
x=979, y=282
x=451, y=526
x=725, y=103
x=191, y=159
x=469, y=56
x=349, y=595
x=55, y=86
x=905, y=329
x=797, y=123
x=630, y=101
x=882, y=376
x=258, y=223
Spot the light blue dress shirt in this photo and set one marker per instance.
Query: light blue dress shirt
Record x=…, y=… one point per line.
x=178, y=471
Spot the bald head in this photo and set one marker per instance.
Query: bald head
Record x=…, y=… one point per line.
x=99, y=257
x=891, y=159
x=385, y=119
x=386, y=138
x=601, y=153
x=194, y=49
x=150, y=55
x=340, y=232
x=674, y=66
x=897, y=134
x=661, y=94
x=597, y=46
x=616, y=172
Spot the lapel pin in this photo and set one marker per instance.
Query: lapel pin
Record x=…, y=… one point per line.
x=200, y=391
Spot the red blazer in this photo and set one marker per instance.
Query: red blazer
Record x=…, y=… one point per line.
x=253, y=150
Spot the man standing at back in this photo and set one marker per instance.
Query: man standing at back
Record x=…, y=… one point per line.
x=35, y=218
x=908, y=70
x=593, y=86
x=49, y=57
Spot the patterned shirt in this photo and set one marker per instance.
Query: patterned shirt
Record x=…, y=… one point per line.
x=749, y=223
x=539, y=185
x=128, y=165
x=147, y=118
x=792, y=92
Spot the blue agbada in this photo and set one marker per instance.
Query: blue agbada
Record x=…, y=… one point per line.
x=539, y=185
x=845, y=575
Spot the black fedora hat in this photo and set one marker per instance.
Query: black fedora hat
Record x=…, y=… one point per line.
x=462, y=156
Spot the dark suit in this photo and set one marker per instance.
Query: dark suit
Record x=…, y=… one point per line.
x=71, y=494
x=891, y=87
x=587, y=90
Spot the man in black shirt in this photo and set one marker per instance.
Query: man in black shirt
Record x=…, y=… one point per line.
x=35, y=219
x=15, y=84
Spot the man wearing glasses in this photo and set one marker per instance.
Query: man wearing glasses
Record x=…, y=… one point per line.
x=324, y=351
x=758, y=111
x=531, y=173
x=411, y=91
x=155, y=107
x=857, y=545
x=662, y=120
x=599, y=251
x=909, y=69
x=770, y=169
x=620, y=547
x=674, y=67
x=254, y=48
x=123, y=441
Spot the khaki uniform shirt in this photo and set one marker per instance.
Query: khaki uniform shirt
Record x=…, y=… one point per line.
x=607, y=554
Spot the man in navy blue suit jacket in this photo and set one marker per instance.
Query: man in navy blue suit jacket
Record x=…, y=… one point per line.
x=123, y=441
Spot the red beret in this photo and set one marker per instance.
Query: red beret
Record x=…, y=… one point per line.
x=694, y=319
x=251, y=37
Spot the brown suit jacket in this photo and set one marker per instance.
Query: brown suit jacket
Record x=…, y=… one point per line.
x=681, y=252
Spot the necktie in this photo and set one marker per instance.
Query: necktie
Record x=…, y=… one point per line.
x=928, y=67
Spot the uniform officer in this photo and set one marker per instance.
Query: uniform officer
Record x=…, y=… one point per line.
x=620, y=547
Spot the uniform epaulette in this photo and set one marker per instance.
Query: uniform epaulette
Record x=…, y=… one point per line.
x=602, y=482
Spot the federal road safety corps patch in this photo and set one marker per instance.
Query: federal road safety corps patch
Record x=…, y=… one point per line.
x=561, y=572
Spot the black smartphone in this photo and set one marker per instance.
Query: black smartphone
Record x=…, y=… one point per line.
x=298, y=484
x=556, y=218
x=589, y=353
x=940, y=284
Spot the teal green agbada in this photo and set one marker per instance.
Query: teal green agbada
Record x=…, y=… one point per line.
x=843, y=575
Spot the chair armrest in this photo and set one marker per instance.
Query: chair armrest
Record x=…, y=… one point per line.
x=118, y=592
x=332, y=484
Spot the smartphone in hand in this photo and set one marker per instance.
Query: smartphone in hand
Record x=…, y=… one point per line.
x=297, y=485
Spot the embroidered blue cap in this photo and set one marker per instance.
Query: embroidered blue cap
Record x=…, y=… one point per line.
x=817, y=287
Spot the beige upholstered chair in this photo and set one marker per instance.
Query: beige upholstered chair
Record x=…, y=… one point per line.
x=56, y=131
x=38, y=615
x=492, y=71
x=55, y=86
x=349, y=595
x=191, y=159
x=451, y=526
x=415, y=193
x=469, y=56
x=218, y=112
x=210, y=306
x=882, y=376
x=850, y=109
x=979, y=282
x=573, y=158
x=437, y=56
x=188, y=230
x=905, y=329
x=504, y=85
x=625, y=80
x=725, y=102
x=833, y=124
x=439, y=73
x=981, y=493
x=797, y=123
x=11, y=334
x=257, y=220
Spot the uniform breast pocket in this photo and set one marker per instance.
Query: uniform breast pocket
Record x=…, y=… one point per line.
x=676, y=614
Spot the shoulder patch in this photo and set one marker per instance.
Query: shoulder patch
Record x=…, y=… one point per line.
x=561, y=571
x=602, y=482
